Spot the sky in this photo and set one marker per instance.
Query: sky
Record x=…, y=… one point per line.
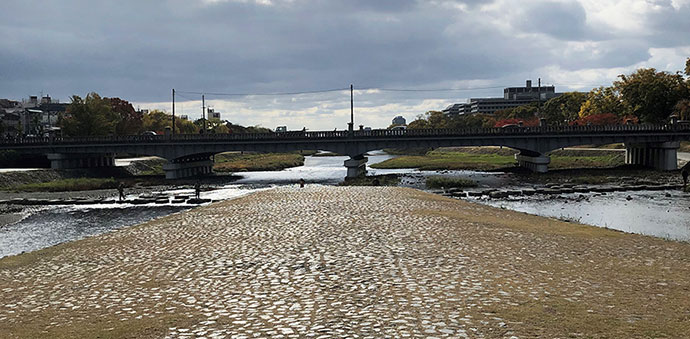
x=403, y=57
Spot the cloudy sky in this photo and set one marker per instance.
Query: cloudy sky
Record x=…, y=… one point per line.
x=140, y=50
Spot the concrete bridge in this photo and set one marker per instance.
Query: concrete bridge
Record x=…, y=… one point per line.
x=190, y=154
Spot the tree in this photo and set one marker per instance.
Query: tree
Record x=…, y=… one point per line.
x=90, y=116
x=468, y=121
x=651, y=95
x=564, y=108
x=431, y=119
x=603, y=100
x=185, y=127
x=130, y=121
x=598, y=119
x=157, y=121
x=534, y=121
x=682, y=109
x=525, y=112
x=221, y=129
x=419, y=123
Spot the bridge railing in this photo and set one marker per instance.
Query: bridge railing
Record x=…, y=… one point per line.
x=324, y=135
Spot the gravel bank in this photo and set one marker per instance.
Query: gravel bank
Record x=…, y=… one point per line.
x=344, y=261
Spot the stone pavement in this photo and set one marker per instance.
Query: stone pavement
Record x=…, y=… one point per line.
x=365, y=262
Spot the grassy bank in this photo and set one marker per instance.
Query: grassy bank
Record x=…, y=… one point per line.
x=449, y=160
x=236, y=162
x=76, y=184
x=493, y=158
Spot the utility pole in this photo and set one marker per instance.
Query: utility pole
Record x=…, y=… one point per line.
x=173, y=111
x=203, y=113
x=351, y=125
x=539, y=97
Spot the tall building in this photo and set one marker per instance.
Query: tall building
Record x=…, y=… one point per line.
x=512, y=97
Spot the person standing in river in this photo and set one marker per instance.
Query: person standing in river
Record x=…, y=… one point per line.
x=197, y=189
x=121, y=191
x=684, y=173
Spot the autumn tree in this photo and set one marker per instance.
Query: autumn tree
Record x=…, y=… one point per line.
x=91, y=116
x=129, y=120
x=651, y=95
x=603, y=100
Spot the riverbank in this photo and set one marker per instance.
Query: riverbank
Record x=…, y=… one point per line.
x=371, y=261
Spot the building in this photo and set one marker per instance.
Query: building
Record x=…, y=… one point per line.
x=30, y=117
x=212, y=114
x=399, y=121
x=512, y=97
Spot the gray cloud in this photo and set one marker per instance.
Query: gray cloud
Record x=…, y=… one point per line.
x=139, y=50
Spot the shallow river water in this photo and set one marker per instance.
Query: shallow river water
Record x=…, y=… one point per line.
x=657, y=213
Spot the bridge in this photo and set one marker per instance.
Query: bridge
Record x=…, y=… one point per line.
x=190, y=154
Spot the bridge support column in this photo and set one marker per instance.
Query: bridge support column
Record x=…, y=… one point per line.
x=186, y=169
x=537, y=163
x=73, y=161
x=356, y=166
x=662, y=156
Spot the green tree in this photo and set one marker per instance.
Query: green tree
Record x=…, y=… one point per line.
x=90, y=116
x=221, y=129
x=525, y=112
x=603, y=100
x=564, y=108
x=651, y=95
x=157, y=121
x=431, y=119
x=185, y=127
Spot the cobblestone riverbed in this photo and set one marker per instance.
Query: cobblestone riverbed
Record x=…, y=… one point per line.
x=364, y=262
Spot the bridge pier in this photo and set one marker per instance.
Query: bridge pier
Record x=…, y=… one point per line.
x=662, y=156
x=356, y=166
x=189, y=168
x=72, y=161
x=536, y=163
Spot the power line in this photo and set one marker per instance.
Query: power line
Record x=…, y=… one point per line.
x=434, y=89
x=266, y=94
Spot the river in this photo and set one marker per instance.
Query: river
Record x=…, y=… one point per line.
x=656, y=213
